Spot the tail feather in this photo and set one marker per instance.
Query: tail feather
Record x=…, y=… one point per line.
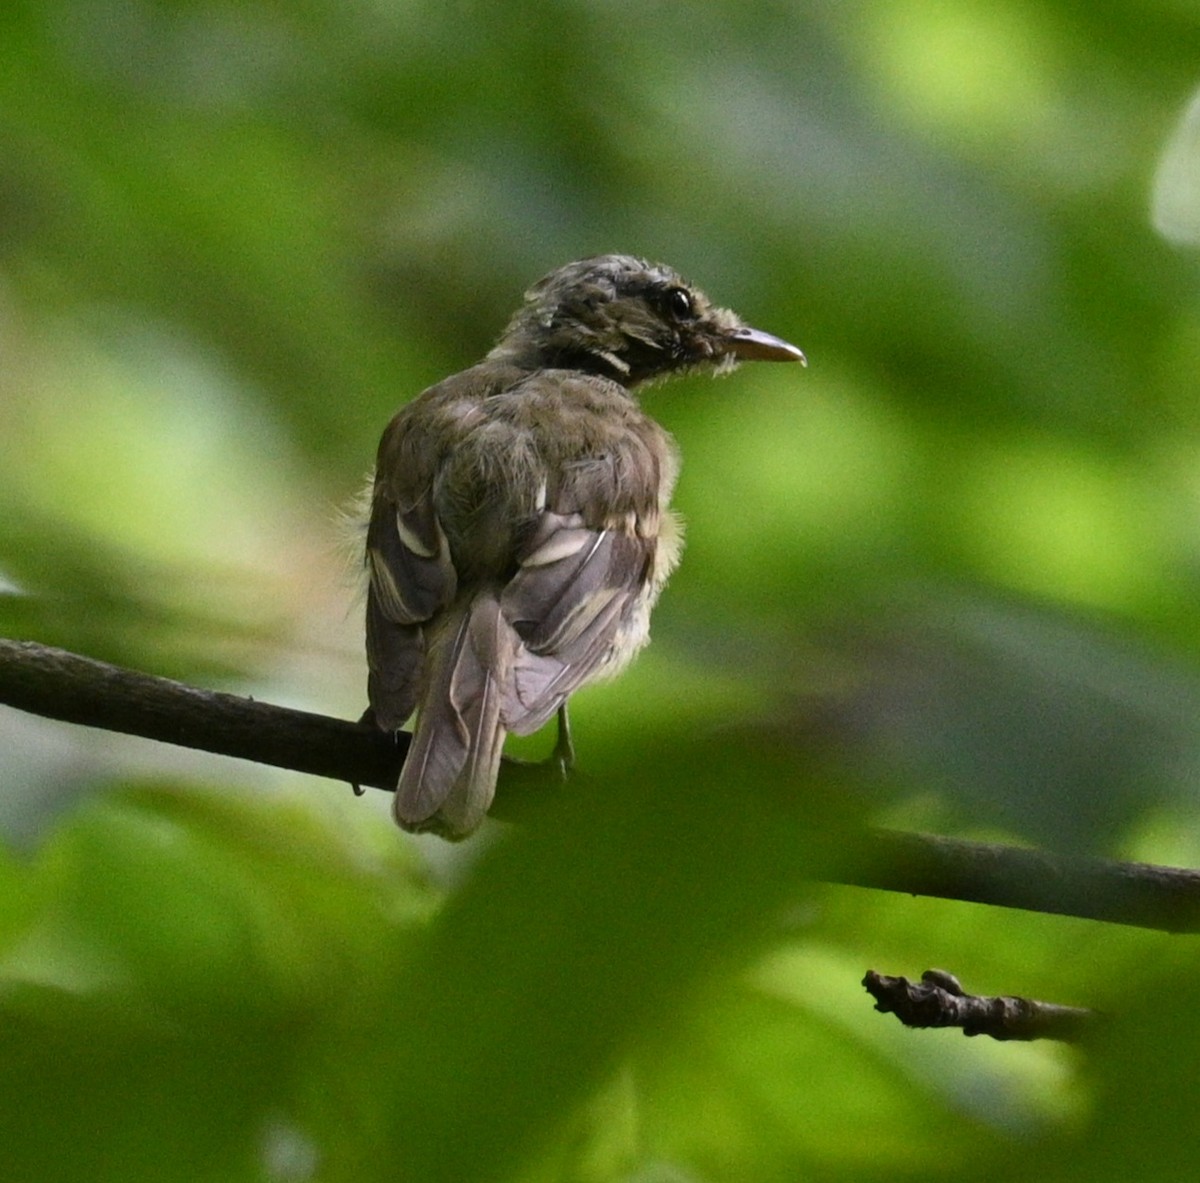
x=449, y=777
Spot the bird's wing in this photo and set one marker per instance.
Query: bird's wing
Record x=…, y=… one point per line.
x=411, y=578
x=575, y=597
x=408, y=561
x=412, y=574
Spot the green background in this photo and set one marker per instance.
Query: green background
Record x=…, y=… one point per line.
x=945, y=579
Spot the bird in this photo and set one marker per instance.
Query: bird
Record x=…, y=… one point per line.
x=520, y=528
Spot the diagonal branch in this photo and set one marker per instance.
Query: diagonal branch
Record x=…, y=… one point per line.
x=1140, y=894
x=60, y=685
x=74, y=689
x=65, y=686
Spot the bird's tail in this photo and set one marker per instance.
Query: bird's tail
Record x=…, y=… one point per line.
x=449, y=776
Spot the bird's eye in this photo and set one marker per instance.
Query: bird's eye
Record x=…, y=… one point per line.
x=679, y=304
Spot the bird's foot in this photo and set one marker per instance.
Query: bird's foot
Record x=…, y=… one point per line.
x=563, y=756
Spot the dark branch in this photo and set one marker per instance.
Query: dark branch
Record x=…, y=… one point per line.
x=61, y=685
x=1140, y=894
x=938, y=1000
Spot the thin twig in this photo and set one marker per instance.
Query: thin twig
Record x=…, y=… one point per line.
x=938, y=1000
x=61, y=685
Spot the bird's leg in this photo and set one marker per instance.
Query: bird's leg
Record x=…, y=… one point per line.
x=563, y=756
x=367, y=720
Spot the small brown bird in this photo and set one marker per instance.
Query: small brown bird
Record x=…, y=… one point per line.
x=520, y=528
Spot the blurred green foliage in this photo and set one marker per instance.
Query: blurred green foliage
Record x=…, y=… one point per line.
x=946, y=578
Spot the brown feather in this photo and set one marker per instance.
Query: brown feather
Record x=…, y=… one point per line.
x=520, y=529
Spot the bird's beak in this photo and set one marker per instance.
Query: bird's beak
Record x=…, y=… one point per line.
x=754, y=345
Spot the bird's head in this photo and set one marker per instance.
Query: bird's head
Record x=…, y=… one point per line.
x=629, y=320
